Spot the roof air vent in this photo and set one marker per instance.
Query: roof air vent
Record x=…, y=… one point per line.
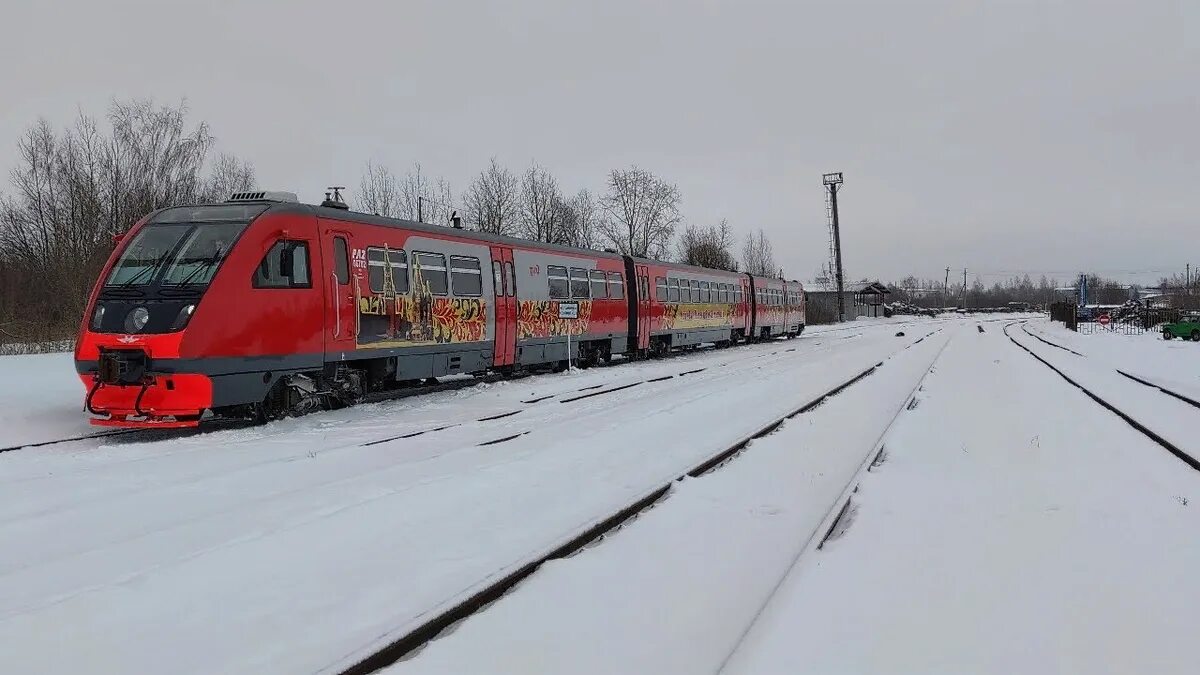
x=263, y=196
x=333, y=199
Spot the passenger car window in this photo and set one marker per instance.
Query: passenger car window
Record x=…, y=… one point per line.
x=616, y=287
x=660, y=289
x=465, y=276
x=599, y=284
x=275, y=272
x=579, y=283
x=379, y=262
x=672, y=290
x=559, y=286
x=431, y=270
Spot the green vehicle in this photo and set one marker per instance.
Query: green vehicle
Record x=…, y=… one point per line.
x=1186, y=327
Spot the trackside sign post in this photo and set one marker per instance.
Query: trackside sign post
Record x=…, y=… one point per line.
x=568, y=311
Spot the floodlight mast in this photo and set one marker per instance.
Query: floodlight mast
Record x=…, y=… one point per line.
x=831, y=182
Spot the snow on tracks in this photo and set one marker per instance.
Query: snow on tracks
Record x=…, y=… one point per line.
x=673, y=592
x=1165, y=421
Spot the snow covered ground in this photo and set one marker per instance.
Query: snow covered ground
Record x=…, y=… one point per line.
x=673, y=591
x=42, y=399
x=1015, y=526
x=1012, y=529
x=303, y=545
x=1012, y=525
x=1097, y=370
x=1173, y=363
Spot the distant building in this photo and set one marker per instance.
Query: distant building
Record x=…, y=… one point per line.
x=864, y=298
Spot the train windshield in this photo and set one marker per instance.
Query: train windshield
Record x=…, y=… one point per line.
x=175, y=254
x=183, y=246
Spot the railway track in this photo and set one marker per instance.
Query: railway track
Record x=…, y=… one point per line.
x=1025, y=329
x=435, y=624
x=1145, y=430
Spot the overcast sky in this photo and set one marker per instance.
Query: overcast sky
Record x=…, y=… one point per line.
x=999, y=136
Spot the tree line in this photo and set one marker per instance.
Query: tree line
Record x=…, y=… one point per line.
x=928, y=293
x=637, y=213
x=73, y=190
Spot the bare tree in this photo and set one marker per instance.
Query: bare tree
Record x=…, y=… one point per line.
x=491, y=200
x=72, y=191
x=379, y=192
x=581, y=219
x=642, y=212
x=542, y=212
x=708, y=246
x=415, y=196
x=228, y=175
x=425, y=199
x=757, y=255
x=440, y=202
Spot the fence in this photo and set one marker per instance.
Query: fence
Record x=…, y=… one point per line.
x=1123, y=328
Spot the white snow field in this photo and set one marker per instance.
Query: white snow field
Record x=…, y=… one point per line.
x=1013, y=525
x=673, y=591
x=1174, y=364
x=296, y=548
x=43, y=399
x=1016, y=527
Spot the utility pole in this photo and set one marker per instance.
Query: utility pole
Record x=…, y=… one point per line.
x=420, y=209
x=945, y=288
x=964, y=292
x=832, y=181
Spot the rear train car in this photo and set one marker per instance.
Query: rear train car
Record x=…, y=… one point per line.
x=777, y=308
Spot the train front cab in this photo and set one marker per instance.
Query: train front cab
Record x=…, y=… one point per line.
x=198, y=308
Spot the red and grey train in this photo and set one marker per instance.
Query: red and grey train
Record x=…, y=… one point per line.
x=263, y=306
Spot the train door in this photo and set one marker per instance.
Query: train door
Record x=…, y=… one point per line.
x=643, y=306
x=341, y=278
x=504, y=282
x=751, y=306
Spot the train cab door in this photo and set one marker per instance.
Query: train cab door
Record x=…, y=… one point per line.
x=643, y=306
x=341, y=279
x=504, y=290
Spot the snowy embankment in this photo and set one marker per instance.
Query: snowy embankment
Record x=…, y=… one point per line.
x=673, y=591
x=303, y=545
x=42, y=399
x=1016, y=527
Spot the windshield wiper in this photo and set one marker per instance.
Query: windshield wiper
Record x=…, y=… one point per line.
x=203, y=267
x=142, y=272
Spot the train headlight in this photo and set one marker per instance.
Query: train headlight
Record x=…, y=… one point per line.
x=136, y=319
x=182, y=318
x=97, y=317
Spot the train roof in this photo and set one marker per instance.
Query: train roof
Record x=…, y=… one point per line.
x=441, y=230
x=285, y=203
